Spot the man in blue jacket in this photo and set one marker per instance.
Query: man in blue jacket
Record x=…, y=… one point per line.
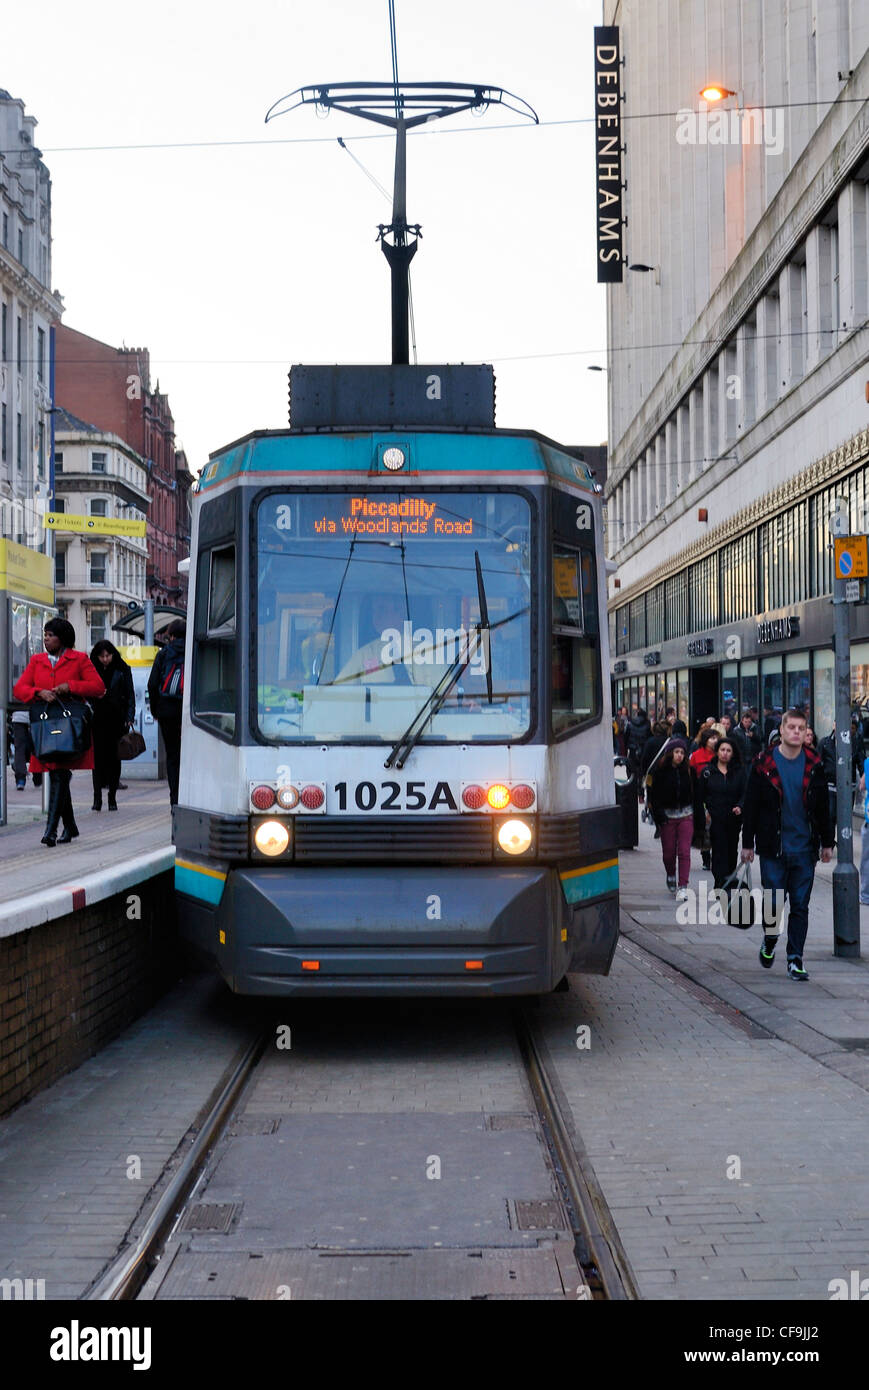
x=786, y=816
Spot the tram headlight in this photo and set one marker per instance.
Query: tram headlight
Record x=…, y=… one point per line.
x=514, y=836
x=271, y=837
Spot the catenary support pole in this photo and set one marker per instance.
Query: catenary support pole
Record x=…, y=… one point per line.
x=846, y=880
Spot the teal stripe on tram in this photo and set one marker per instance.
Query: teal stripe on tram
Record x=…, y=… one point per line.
x=205, y=884
x=580, y=885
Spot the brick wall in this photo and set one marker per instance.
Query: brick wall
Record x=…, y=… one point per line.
x=71, y=985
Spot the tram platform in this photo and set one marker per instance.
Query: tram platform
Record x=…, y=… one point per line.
x=113, y=851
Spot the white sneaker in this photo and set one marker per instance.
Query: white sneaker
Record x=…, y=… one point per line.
x=682, y=895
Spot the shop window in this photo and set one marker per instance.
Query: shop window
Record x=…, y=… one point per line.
x=748, y=698
x=797, y=681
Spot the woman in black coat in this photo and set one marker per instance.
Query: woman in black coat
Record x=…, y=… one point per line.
x=719, y=794
x=113, y=716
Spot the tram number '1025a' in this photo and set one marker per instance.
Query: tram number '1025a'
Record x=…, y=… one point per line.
x=368, y=797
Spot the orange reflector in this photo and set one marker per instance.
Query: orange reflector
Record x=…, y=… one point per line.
x=473, y=965
x=498, y=797
x=310, y=965
x=222, y=938
x=564, y=933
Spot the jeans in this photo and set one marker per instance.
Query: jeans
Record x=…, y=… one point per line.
x=676, y=838
x=864, y=866
x=794, y=875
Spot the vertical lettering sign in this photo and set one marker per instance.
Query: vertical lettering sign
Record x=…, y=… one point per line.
x=608, y=153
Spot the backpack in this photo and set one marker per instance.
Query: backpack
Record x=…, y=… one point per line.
x=172, y=684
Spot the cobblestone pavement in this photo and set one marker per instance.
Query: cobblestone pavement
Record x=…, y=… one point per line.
x=734, y=1162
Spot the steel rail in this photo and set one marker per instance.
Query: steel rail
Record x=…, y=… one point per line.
x=599, y=1252
x=128, y=1271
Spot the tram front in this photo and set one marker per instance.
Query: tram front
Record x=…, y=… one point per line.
x=414, y=780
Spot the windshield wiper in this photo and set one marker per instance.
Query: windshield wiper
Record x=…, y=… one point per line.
x=432, y=705
x=484, y=623
x=412, y=734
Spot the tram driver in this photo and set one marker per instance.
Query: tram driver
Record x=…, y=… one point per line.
x=374, y=662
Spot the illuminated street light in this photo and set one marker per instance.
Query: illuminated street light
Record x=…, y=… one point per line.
x=716, y=93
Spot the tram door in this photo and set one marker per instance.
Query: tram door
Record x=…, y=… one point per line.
x=704, y=696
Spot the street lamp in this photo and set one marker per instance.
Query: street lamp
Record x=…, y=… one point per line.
x=715, y=92
x=648, y=269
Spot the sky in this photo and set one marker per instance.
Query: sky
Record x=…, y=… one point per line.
x=231, y=261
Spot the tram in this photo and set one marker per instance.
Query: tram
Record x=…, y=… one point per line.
x=396, y=769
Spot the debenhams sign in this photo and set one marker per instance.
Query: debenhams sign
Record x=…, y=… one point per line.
x=778, y=629
x=608, y=153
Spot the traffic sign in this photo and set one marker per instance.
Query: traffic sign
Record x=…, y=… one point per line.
x=852, y=590
x=96, y=525
x=852, y=559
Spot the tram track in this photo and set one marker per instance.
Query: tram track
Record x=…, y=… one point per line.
x=602, y=1270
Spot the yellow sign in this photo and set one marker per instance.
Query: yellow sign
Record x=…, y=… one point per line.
x=852, y=560
x=26, y=573
x=139, y=656
x=96, y=525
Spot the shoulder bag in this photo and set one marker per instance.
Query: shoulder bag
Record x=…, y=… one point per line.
x=61, y=731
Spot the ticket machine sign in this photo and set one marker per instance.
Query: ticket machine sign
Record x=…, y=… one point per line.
x=852, y=561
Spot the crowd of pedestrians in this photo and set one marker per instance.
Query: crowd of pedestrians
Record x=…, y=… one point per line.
x=765, y=781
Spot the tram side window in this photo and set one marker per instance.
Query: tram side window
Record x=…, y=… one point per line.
x=214, y=686
x=575, y=650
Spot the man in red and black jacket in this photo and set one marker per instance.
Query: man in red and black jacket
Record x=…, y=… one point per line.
x=786, y=817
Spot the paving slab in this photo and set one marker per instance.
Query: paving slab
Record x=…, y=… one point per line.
x=742, y=1156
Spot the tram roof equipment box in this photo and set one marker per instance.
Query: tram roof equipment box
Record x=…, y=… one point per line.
x=458, y=397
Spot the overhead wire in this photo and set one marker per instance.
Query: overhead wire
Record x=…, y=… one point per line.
x=426, y=130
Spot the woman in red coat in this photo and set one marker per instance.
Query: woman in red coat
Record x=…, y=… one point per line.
x=59, y=671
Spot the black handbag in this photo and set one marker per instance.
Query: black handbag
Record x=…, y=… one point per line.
x=130, y=745
x=738, y=903
x=61, y=731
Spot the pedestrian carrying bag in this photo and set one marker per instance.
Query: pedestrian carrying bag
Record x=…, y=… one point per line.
x=61, y=731
x=646, y=814
x=130, y=745
x=738, y=904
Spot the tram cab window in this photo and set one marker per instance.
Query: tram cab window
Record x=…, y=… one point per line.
x=377, y=600
x=575, y=650
x=213, y=696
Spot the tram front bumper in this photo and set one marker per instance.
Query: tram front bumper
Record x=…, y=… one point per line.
x=381, y=931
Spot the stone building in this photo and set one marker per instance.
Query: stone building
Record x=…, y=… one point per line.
x=738, y=351
x=28, y=310
x=112, y=387
x=98, y=574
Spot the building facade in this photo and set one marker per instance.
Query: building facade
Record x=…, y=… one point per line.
x=738, y=414
x=28, y=311
x=98, y=574
x=112, y=387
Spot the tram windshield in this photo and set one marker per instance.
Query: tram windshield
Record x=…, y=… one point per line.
x=367, y=600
